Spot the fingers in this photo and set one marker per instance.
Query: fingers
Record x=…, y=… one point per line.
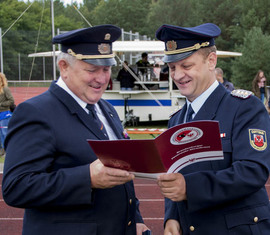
x=172, y=227
x=173, y=186
x=106, y=177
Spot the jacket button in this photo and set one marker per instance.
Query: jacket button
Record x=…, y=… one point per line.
x=130, y=201
x=256, y=219
x=191, y=228
x=129, y=223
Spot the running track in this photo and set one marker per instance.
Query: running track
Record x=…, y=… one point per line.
x=147, y=191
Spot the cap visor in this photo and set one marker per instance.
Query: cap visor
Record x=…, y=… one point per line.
x=102, y=62
x=177, y=57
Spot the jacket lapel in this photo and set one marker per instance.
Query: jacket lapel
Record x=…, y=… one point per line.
x=75, y=109
x=112, y=120
x=209, y=108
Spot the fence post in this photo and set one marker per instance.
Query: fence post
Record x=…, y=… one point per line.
x=1, y=49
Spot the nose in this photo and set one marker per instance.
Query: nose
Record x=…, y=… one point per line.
x=178, y=74
x=102, y=76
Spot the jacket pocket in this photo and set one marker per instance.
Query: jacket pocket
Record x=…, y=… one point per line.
x=249, y=220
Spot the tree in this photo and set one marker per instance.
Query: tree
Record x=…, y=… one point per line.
x=255, y=49
x=129, y=15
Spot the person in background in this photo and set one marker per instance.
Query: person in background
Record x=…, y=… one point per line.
x=6, y=100
x=125, y=77
x=50, y=169
x=215, y=197
x=143, y=63
x=219, y=75
x=259, y=86
x=156, y=71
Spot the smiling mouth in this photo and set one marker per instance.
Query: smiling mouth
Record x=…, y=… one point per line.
x=95, y=87
x=185, y=82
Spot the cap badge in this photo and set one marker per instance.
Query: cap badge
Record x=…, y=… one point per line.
x=107, y=36
x=104, y=48
x=171, y=45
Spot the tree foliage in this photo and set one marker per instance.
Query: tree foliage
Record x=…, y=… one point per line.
x=245, y=26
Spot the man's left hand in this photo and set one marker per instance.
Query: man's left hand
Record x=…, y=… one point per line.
x=173, y=186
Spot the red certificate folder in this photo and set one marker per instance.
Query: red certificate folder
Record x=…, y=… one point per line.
x=171, y=151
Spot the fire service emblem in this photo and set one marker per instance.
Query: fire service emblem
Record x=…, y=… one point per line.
x=257, y=139
x=186, y=135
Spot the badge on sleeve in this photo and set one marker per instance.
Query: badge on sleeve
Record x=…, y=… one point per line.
x=257, y=139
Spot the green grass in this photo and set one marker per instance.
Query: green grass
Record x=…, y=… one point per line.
x=141, y=136
x=2, y=159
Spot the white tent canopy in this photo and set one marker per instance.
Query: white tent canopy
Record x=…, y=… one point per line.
x=137, y=46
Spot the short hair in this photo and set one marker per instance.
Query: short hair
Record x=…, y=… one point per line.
x=68, y=58
x=219, y=71
x=144, y=54
x=206, y=51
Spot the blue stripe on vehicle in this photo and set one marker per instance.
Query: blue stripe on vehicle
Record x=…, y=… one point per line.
x=140, y=102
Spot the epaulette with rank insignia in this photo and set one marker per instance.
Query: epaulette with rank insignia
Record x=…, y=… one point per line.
x=242, y=94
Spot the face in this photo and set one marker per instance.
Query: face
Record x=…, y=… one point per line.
x=194, y=75
x=87, y=81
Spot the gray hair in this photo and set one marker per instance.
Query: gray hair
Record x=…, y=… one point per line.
x=219, y=71
x=68, y=58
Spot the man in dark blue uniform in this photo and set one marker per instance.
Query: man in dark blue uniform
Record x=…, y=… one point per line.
x=216, y=197
x=50, y=170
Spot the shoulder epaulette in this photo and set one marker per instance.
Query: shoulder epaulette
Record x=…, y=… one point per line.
x=242, y=94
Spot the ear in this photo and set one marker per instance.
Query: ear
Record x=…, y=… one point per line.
x=212, y=61
x=63, y=67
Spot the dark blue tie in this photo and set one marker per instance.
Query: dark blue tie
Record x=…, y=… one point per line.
x=189, y=113
x=99, y=123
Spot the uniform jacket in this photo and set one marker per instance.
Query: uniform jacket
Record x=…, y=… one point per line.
x=228, y=196
x=228, y=85
x=47, y=170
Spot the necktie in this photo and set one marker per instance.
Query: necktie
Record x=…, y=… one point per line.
x=189, y=113
x=98, y=122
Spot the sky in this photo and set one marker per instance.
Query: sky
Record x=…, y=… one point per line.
x=69, y=1
x=66, y=1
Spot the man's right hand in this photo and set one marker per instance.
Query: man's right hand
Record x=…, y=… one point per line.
x=107, y=177
x=172, y=227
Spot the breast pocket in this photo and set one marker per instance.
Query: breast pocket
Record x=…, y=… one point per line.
x=251, y=221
